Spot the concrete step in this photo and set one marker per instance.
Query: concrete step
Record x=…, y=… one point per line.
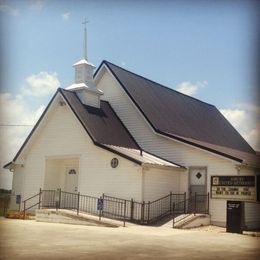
x=191, y=220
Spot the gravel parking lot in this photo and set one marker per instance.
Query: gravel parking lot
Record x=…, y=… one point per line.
x=35, y=240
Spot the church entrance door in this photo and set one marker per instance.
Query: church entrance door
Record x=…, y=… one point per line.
x=69, y=198
x=71, y=183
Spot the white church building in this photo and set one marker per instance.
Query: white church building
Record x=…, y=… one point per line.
x=118, y=133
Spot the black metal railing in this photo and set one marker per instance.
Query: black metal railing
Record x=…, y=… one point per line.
x=32, y=202
x=140, y=212
x=197, y=204
x=48, y=198
x=116, y=208
x=88, y=204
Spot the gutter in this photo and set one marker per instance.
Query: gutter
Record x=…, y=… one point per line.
x=164, y=167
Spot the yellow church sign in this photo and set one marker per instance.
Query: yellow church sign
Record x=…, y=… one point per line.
x=233, y=187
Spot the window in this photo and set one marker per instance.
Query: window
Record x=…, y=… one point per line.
x=72, y=171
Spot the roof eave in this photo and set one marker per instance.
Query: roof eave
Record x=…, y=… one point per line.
x=118, y=153
x=8, y=165
x=179, y=165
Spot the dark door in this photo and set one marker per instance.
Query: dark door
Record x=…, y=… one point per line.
x=198, y=181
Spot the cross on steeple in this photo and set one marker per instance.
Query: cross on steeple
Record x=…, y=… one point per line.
x=84, y=85
x=85, y=39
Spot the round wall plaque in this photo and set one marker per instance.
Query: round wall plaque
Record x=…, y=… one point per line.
x=114, y=162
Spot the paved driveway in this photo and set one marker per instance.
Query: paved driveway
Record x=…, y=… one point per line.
x=33, y=240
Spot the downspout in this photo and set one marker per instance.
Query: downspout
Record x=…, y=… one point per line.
x=142, y=184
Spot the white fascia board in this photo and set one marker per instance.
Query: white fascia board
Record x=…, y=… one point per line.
x=173, y=139
x=100, y=73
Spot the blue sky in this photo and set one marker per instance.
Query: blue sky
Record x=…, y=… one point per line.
x=206, y=49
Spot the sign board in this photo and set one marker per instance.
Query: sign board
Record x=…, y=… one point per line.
x=18, y=199
x=100, y=204
x=234, y=216
x=233, y=187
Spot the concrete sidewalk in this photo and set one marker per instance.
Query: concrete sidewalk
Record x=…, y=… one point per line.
x=35, y=240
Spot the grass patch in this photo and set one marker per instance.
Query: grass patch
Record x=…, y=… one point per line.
x=18, y=214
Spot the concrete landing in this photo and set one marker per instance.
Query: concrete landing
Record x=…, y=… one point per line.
x=192, y=221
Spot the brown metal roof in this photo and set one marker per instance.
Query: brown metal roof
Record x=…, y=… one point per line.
x=102, y=124
x=175, y=114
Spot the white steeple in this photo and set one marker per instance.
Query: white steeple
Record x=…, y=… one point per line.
x=84, y=84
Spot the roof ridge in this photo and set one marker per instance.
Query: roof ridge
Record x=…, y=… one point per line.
x=171, y=89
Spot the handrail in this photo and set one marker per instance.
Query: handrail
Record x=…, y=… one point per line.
x=185, y=210
x=92, y=197
x=190, y=210
x=32, y=206
x=71, y=193
x=31, y=197
x=164, y=197
x=113, y=198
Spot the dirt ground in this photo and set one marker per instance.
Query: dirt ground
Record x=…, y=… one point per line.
x=28, y=239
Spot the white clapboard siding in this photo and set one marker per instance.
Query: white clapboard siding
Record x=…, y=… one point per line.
x=252, y=209
x=64, y=137
x=252, y=215
x=88, y=98
x=159, y=183
x=53, y=175
x=17, y=185
x=164, y=147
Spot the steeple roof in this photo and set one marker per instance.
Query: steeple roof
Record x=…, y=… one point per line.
x=83, y=61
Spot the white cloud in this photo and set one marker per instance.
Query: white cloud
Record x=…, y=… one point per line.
x=235, y=116
x=246, y=119
x=252, y=137
x=249, y=107
x=189, y=88
x=41, y=84
x=14, y=110
x=65, y=16
x=9, y=10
